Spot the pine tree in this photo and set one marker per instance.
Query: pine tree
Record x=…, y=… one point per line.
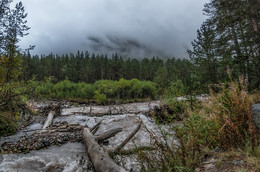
x=13, y=27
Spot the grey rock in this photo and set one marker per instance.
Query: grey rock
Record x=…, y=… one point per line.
x=1, y=158
x=217, y=149
x=238, y=162
x=256, y=114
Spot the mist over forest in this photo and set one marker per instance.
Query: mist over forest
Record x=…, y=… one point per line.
x=111, y=85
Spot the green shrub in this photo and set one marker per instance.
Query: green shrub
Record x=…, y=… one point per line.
x=135, y=88
x=148, y=89
x=65, y=89
x=192, y=138
x=103, y=90
x=107, y=87
x=8, y=124
x=45, y=87
x=100, y=98
x=175, y=89
x=123, y=89
x=85, y=91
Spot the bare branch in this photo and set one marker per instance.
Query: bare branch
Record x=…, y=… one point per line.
x=108, y=134
x=118, y=149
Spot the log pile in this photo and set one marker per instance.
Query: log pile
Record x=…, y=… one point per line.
x=56, y=135
x=98, y=155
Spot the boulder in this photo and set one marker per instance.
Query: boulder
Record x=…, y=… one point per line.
x=256, y=115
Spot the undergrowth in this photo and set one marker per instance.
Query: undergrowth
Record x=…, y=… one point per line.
x=224, y=122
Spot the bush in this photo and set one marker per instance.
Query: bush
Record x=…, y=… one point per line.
x=123, y=89
x=148, y=89
x=192, y=138
x=175, y=89
x=135, y=88
x=100, y=98
x=8, y=124
x=231, y=109
x=45, y=87
x=103, y=90
x=225, y=121
x=107, y=87
x=86, y=91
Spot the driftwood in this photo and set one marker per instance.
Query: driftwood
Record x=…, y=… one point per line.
x=108, y=134
x=95, y=128
x=118, y=149
x=98, y=156
x=49, y=120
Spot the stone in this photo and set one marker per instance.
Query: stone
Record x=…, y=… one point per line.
x=238, y=162
x=256, y=115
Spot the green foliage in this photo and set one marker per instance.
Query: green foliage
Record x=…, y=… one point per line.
x=85, y=91
x=161, y=77
x=175, y=89
x=176, y=106
x=8, y=123
x=224, y=121
x=64, y=89
x=135, y=88
x=192, y=138
x=231, y=109
x=107, y=87
x=228, y=39
x=45, y=87
x=199, y=131
x=100, y=98
x=148, y=89
x=102, y=91
x=123, y=88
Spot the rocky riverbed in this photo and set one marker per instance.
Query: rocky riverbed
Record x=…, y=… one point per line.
x=60, y=147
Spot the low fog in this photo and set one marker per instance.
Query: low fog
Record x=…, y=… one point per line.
x=131, y=28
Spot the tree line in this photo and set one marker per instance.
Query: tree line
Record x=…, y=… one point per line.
x=85, y=67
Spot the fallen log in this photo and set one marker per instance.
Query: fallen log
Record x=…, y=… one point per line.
x=102, y=162
x=49, y=120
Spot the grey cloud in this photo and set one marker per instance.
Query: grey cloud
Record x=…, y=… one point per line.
x=126, y=47
x=135, y=28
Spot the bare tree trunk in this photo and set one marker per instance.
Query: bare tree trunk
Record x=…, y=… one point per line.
x=254, y=10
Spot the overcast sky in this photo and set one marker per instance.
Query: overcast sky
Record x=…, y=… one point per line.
x=135, y=28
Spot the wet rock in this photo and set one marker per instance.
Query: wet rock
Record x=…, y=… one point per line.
x=238, y=162
x=46, y=143
x=256, y=115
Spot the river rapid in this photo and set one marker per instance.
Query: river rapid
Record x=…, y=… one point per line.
x=72, y=156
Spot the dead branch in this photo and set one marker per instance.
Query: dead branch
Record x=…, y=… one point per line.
x=118, y=149
x=108, y=134
x=95, y=128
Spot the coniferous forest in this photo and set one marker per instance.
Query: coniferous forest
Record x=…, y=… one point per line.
x=223, y=67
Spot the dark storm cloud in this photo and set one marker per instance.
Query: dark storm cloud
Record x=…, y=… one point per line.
x=134, y=28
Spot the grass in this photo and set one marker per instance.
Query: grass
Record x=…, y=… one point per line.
x=224, y=121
